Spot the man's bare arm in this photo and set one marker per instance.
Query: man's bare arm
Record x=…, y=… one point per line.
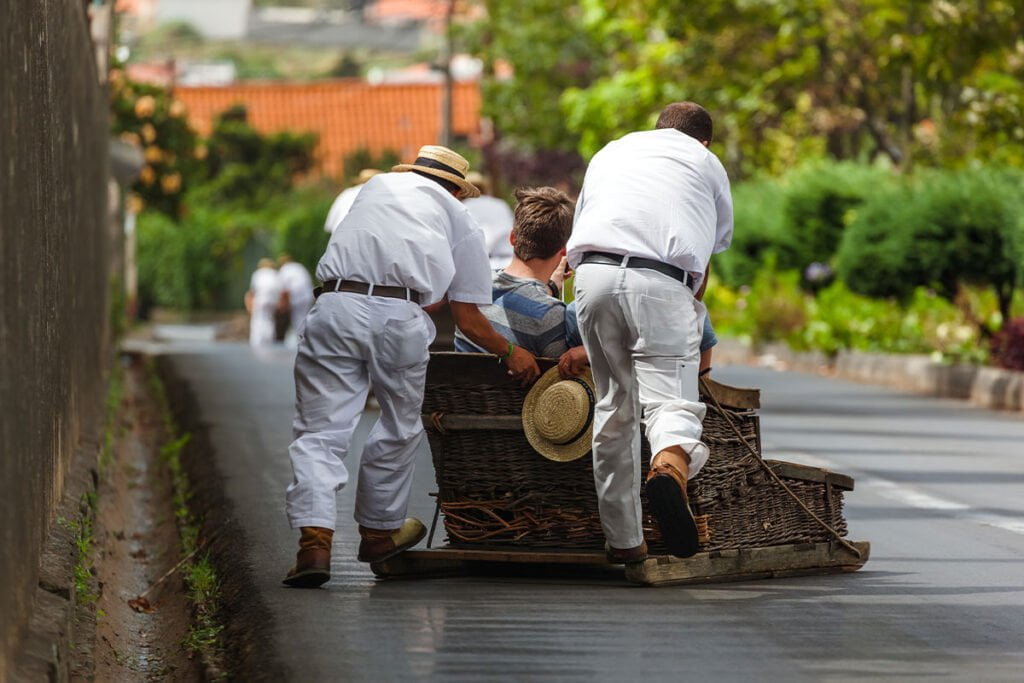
x=521, y=364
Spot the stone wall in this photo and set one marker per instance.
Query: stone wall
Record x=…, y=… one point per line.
x=55, y=241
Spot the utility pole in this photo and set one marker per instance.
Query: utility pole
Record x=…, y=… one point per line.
x=446, y=66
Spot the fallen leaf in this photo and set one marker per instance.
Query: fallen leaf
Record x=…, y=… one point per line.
x=141, y=605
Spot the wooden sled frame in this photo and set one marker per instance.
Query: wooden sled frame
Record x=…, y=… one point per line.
x=742, y=564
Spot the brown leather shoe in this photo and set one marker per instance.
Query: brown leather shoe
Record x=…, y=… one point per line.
x=627, y=555
x=382, y=544
x=313, y=561
x=666, y=492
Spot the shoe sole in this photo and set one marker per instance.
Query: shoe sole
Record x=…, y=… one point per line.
x=669, y=507
x=398, y=549
x=310, y=578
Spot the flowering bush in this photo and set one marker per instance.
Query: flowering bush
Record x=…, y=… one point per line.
x=149, y=118
x=776, y=308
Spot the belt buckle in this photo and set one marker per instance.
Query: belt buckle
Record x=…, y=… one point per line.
x=337, y=285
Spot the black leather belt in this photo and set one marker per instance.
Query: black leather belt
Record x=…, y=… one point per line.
x=637, y=262
x=363, y=288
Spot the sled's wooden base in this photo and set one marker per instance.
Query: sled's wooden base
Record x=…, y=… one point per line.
x=711, y=567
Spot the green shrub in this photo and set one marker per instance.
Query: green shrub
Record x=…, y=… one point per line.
x=300, y=228
x=819, y=201
x=204, y=260
x=946, y=230
x=758, y=235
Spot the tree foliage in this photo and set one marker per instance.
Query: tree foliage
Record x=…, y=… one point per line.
x=936, y=82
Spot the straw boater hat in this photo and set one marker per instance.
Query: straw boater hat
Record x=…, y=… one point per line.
x=480, y=181
x=443, y=163
x=366, y=174
x=558, y=416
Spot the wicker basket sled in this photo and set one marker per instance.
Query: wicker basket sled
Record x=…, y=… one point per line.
x=501, y=501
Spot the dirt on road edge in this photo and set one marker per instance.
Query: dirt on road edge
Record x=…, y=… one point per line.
x=247, y=622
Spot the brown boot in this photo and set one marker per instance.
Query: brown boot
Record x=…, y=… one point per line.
x=627, y=555
x=382, y=544
x=313, y=561
x=666, y=491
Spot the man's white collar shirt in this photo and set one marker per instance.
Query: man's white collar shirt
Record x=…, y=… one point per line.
x=657, y=194
x=405, y=230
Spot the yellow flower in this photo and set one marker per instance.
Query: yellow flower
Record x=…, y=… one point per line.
x=130, y=138
x=147, y=175
x=153, y=154
x=145, y=106
x=171, y=183
x=148, y=133
x=201, y=152
x=136, y=204
x=177, y=109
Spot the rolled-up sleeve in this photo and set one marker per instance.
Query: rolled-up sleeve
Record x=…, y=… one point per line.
x=472, y=281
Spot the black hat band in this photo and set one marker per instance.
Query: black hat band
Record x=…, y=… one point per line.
x=430, y=163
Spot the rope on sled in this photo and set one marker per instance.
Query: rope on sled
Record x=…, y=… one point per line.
x=778, y=480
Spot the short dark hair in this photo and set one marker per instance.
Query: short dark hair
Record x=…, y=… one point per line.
x=543, y=222
x=689, y=118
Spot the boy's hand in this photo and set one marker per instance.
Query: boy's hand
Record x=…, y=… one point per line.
x=561, y=274
x=573, y=362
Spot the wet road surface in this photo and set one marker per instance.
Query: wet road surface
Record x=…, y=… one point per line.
x=940, y=494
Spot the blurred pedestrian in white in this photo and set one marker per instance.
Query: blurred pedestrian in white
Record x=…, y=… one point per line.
x=262, y=301
x=494, y=216
x=296, y=282
x=343, y=203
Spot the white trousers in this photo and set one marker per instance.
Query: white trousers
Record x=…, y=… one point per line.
x=261, y=324
x=348, y=342
x=642, y=333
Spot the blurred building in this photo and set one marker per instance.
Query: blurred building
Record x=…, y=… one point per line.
x=347, y=114
x=217, y=19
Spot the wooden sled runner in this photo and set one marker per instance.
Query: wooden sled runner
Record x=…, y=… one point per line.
x=502, y=504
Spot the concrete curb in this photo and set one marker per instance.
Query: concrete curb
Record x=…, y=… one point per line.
x=983, y=386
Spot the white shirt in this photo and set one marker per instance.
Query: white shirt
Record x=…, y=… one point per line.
x=406, y=230
x=657, y=194
x=495, y=218
x=266, y=287
x=296, y=280
x=341, y=206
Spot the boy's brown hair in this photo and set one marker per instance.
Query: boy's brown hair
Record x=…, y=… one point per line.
x=543, y=222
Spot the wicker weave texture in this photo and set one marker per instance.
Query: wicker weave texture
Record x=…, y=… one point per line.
x=495, y=490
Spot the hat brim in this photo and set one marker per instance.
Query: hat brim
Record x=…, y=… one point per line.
x=574, y=450
x=467, y=190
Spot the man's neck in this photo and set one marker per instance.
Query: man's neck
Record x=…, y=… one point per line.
x=534, y=269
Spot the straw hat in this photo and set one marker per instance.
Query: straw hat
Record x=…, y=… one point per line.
x=366, y=174
x=480, y=181
x=443, y=163
x=558, y=416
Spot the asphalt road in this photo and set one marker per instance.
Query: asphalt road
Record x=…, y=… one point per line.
x=939, y=495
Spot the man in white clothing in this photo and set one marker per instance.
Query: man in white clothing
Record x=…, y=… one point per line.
x=408, y=242
x=297, y=283
x=495, y=218
x=654, y=206
x=344, y=201
x=262, y=301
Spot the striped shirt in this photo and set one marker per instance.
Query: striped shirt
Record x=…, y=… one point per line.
x=524, y=312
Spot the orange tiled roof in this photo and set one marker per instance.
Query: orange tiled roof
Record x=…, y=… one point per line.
x=347, y=114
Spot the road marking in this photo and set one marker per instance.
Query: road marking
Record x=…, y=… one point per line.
x=907, y=494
